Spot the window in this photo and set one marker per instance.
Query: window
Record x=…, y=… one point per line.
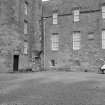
x=103, y=39
x=90, y=36
x=26, y=8
x=76, y=14
x=25, y=26
x=103, y=11
x=25, y=48
x=76, y=40
x=55, y=42
x=55, y=18
x=52, y=63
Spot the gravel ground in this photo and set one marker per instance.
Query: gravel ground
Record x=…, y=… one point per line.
x=52, y=88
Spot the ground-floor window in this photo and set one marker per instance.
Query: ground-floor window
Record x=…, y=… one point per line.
x=52, y=63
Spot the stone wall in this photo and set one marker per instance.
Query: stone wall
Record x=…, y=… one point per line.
x=90, y=27
x=9, y=33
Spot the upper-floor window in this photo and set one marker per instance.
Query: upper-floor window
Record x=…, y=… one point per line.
x=76, y=40
x=55, y=18
x=55, y=42
x=76, y=14
x=103, y=39
x=103, y=11
x=25, y=26
x=26, y=8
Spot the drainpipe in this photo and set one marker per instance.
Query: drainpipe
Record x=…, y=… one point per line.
x=42, y=41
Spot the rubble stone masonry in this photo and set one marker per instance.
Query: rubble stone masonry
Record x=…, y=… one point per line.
x=90, y=27
x=12, y=35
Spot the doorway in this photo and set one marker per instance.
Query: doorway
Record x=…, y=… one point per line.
x=15, y=63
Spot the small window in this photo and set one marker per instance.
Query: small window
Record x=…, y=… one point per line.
x=90, y=36
x=76, y=40
x=25, y=26
x=26, y=8
x=103, y=11
x=52, y=62
x=76, y=13
x=55, y=42
x=25, y=48
x=55, y=18
x=103, y=39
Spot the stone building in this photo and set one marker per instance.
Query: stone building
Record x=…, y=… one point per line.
x=74, y=34
x=19, y=34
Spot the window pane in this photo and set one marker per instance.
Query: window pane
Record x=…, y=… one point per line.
x=76, y=15
x=103, y=39
x=55, y=18
x=103, y=34
x=26, y=8
x=76, y=41
x=25, y=48
x=55, y=42
x=25, y=27
x=103, y=12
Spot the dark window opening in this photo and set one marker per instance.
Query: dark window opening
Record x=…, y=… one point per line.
x=52, y=62
x=55, y=33
x=25, y=21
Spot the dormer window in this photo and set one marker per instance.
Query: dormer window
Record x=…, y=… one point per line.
x=76, y=14
x=55, y=18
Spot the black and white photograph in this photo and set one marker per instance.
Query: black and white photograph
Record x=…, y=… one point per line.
x=52, y=52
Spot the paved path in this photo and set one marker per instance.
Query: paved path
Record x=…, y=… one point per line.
x=52, y=88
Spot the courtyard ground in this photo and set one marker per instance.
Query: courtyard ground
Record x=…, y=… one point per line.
x=52, y=88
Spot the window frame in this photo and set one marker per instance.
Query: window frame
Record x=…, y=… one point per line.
x=55, y=17
x=26, y=8
x=76, y=40
x=55, y=42
x=103, y=12
x=25, y=26
x=25, y=50
x=76, y=17
x=103, y=39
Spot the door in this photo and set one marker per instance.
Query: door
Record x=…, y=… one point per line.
x=15, y=62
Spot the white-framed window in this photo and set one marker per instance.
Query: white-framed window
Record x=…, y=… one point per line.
x=103, y=11
x=25, y=26
x=76, y=40
x=55, y=18
x=103, y=39
x=76, y=15
x=25, y=48
x=55, y=42
x=26, y=8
